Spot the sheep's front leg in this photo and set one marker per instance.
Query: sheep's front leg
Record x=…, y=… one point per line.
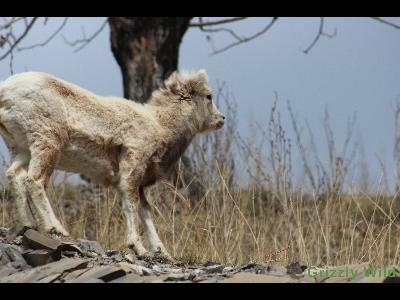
x=129, y=206
x=130, y=175
x=145, y=215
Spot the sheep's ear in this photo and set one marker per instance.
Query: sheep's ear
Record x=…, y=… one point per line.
x=202, y=75
x=172, y=83
x=195, y=82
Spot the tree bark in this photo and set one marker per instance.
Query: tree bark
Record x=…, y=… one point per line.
x=147, y=51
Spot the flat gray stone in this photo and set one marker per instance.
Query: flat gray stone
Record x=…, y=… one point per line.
x=74, y=274
x=90, y=246
x=178, y=277
x=14, y=231
x=39, y=257
x=38, y=273
x=14, y=255
x=86, y=280
x=70, y=247
x=6, y=271
x=35, y=240
x=11, y=254
x=105, y=273
x=135, y=278
x=213, y=269
x=295, y=268
x=128, y=268
x=50, y=278
x=3, y=256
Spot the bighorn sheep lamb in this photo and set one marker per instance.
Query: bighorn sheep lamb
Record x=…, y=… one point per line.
x=48, y=123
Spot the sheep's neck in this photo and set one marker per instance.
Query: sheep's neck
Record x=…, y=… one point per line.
x=181, y=133
x=177, y=123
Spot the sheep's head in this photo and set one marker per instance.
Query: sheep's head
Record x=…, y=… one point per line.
x=192, y=93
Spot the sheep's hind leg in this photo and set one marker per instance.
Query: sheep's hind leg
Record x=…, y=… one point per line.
x=40, y=169
x=156, y=245
x=16, y=174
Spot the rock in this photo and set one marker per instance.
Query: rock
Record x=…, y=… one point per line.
x=19, y=265
x=17, y=240
x=38, y=257
x=111, y=253
x=135, y=278
x=90, y=246
x=49, y=278
x=210, y=263
x=248, y=266
x=140, y=270
x=14, y=231
x=157, y=269
x=213, y=269
x=209, y=280
x=3, y=231
x=35, y=240
x=70, y=254
x=258, y=268
x=201, y=278
x=6, y=271
x=105, y=273
x=295, y=268
x=73, y=275
x=177, y=270
x=69, y=248
x=115, y=255
x=38, y=273
x=228, y=269
x=86, y=280
x=10, y=255
x=14, y=255
x=3, y=256
x=178, y=277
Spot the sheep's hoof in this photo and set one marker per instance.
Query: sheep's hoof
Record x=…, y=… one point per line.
x=139, y=251
x=29, y=224
x=58, y=231
x=158, y=256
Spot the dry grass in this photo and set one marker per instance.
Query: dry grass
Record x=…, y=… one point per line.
x=261, y=217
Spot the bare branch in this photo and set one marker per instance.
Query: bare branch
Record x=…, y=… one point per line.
x=319, y=34
x=51, y=37
x=8, y=24
x=214, y=30
x=20, y=38
x=86, y=40
x=386, y=22
x=219, y=22
x=241, y=40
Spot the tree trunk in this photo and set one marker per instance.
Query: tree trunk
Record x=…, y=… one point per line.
x=147, y=51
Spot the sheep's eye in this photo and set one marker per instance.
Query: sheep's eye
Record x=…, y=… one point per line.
x=209, y=97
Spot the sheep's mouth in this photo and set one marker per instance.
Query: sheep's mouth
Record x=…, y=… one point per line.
x=220, y=124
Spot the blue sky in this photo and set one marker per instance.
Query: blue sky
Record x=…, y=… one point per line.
x=357, y=71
